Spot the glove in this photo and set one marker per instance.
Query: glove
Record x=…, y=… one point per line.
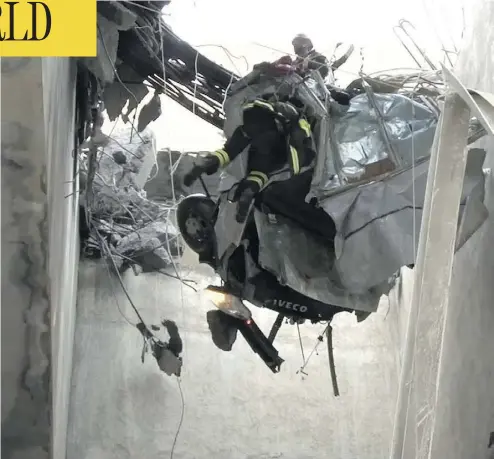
x=340, y=96
x=244, y=195
x=208, y=165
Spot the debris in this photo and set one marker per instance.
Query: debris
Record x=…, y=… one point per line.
x=150, y=112
x=169, y=363
x=116, y=96
x=490, y=446
x=119, y=14
x=223, y=330
x=149, y=245
x=168, y=354
x=175, y=342
x=102, y=66
x=119, y=157
x=136, y=230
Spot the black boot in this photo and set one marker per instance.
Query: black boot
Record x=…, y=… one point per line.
x=244, y=195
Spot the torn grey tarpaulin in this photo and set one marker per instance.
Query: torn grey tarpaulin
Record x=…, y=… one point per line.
x=376, y=135
x=375, y=222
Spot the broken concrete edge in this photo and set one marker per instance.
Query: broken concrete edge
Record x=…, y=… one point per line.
x=114, y=77
x=135, y=229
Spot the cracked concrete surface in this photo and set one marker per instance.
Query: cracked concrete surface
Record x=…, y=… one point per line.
x=25, y=314
x=38, y=254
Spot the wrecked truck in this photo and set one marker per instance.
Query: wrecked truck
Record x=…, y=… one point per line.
x=331, y=239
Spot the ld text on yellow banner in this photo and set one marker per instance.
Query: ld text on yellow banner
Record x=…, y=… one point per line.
x=48, y=28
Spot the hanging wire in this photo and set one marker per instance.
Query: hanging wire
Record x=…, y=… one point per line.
x=115, y=297
x=396, y=85
x=319, y=340
x=178, y=271
x=362, y=61
x=301, y=343
x=141, y=6
x=229, y=54
x=182, y=413
x=108, y=252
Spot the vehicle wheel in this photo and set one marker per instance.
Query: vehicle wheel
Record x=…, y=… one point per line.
x=195, y=218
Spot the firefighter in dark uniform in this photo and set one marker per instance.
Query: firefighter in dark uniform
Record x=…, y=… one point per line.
x=276, y=133
x=308, y=58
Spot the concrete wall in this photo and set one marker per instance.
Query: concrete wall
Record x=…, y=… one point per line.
x=235, y=408
x=38, y=252
x=59, y=76
x=465, y=414
x=400, y=299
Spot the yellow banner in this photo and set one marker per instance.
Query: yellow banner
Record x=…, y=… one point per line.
x=48, y=28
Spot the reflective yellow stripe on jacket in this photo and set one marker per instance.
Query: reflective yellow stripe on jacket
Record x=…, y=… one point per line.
x=222, y=155
x=294, y=160
x=305, y=126
x=259, y=103
x=258, y=177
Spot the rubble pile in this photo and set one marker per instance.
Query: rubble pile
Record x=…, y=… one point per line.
x=139, y=60
x=124, y=223
x=138, y=56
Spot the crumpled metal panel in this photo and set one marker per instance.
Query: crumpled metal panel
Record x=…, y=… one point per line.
x=410, y=127
x=375, y=222
x=376, y=135
x=304, y=263
x=227, y=230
